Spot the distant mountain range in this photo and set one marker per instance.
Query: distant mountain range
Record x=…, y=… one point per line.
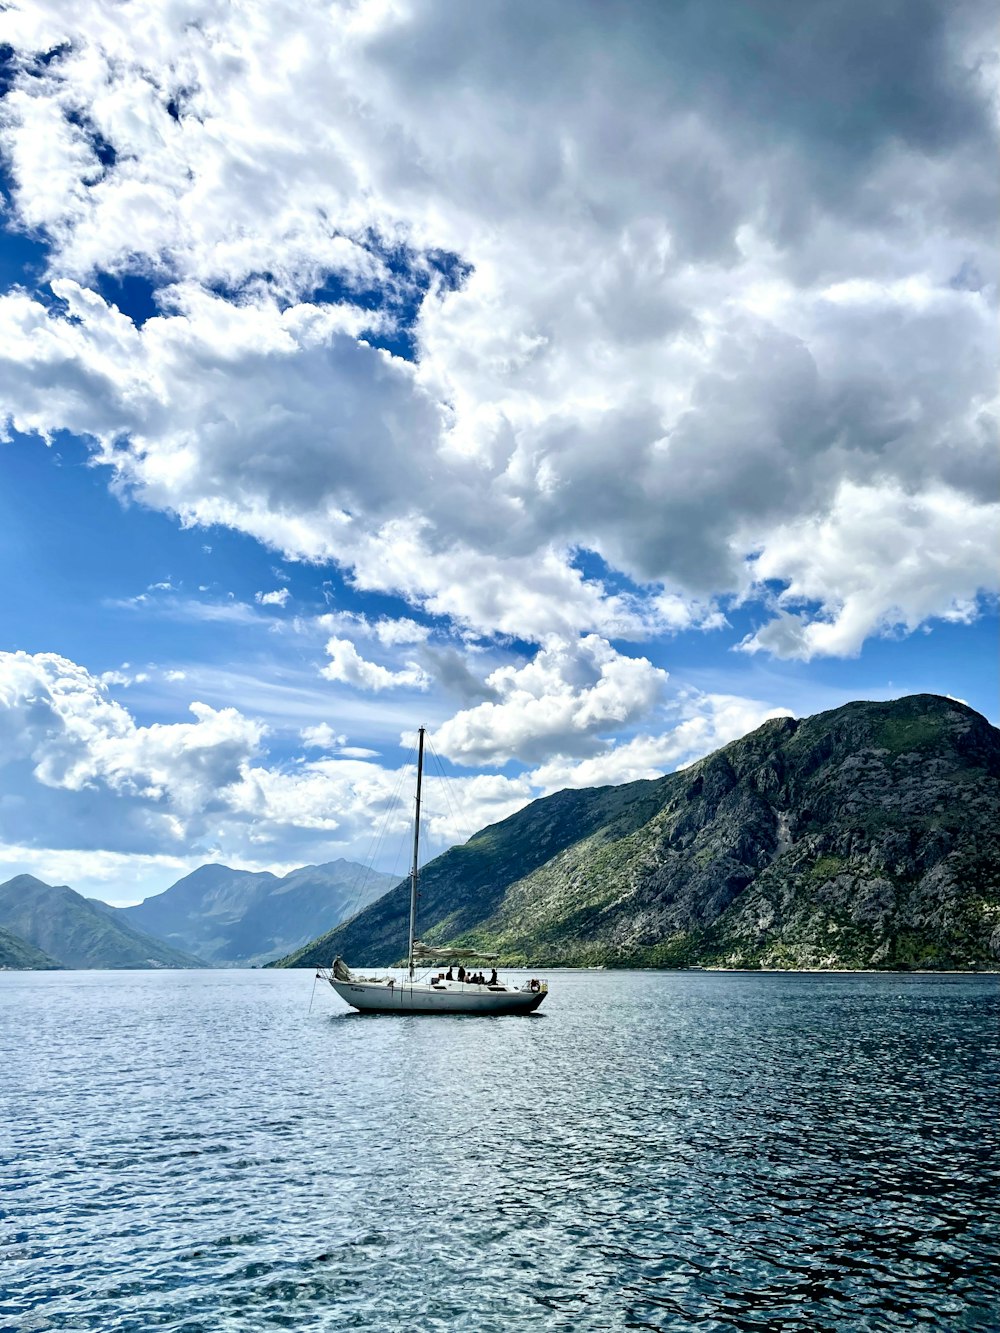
x=73, y=931
x=214, y=917
x=868, y=836
x=245, y=917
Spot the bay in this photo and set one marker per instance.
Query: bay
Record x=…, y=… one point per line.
x=198, y=1151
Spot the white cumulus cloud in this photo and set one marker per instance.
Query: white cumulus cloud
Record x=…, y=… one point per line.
x=278, y=597
x=879, y=560
x=349, y=667
x=669, y=323
x=561, y=702
x=698, y=723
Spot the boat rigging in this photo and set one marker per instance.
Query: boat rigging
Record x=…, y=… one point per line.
x=466, y=993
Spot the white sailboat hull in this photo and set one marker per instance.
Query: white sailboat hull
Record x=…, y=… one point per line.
x=404, y=995
x=454, y=997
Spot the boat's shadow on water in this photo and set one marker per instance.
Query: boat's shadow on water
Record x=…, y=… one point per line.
x=352, y=1015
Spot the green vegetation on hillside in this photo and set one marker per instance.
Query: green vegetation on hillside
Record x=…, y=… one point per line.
x=78, y=933
x=18, y=954
x=868, y=836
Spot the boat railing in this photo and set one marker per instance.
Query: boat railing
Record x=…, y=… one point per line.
x=344, y=975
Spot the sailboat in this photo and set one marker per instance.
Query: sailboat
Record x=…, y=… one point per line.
x=444, y=993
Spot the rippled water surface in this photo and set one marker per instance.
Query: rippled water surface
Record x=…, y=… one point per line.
x=197, y=1151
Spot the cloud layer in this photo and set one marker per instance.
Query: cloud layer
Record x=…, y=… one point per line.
x=79, y=777
x=574, y=326
x=685, y=286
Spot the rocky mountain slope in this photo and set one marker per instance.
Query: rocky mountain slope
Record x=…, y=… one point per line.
x=77, y=932
x=868, y=836
x=231, y=916
x=16, y=953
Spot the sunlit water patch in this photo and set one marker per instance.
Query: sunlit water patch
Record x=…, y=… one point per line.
x=197, y=1151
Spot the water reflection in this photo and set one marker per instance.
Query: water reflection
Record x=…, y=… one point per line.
x=664, y=1151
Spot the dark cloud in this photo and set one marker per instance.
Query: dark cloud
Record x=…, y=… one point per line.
x=449, y=669
x=640, y=90
x=676, y=280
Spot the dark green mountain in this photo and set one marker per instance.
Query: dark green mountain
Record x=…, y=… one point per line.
x=16, y=953
x=868, y=836
x=78, y=933
x=240, y=916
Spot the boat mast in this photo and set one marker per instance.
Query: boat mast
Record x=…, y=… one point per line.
x=416, y=849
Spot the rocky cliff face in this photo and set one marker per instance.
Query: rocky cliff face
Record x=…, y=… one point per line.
x=864, y=837
x=868, y=836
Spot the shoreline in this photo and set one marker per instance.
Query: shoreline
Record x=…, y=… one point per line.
x=849, y=971
x=715, y=969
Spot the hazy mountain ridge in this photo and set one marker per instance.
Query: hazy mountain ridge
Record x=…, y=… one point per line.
x=18, y=955
x=229, y=916
x=78, y=933
x=867, y=836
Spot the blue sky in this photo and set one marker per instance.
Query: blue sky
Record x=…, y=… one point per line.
x=359, y=372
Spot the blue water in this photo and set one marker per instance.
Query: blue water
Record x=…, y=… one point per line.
x=196, y=1151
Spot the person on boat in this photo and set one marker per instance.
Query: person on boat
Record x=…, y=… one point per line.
x=461, y=972
x=493, y=977
x=449, y=976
